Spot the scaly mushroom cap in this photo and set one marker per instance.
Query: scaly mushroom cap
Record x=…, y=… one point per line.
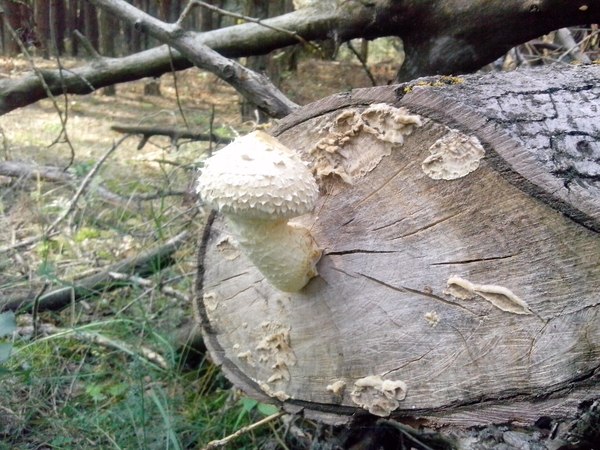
x=257, y=178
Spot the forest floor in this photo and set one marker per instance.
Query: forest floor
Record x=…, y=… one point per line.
x=123, y=367
x=110, y=370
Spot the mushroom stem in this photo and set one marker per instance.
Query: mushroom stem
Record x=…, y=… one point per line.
x=284, y=253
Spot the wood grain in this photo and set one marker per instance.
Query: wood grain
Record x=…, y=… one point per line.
x=391, y=240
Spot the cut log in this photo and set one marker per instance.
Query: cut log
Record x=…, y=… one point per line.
x=459, y=220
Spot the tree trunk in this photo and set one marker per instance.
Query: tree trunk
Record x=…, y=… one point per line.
x=249, y=111
x=74, y=22
x=13, y=16
x=42, y=26
x=57, y=24
x=90, y=20
x=460, y=276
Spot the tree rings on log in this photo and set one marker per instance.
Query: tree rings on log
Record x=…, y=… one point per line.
x=460, y=276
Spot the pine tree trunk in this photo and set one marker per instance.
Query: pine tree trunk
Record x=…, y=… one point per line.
x=460, y=276
x=42, y=26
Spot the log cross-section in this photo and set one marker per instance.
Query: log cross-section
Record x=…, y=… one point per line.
x=459, y=220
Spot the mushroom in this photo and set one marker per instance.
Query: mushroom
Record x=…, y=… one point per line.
x=259, y=184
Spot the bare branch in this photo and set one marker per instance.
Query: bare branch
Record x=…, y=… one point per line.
x=144, y=264
x=256, y=87
x=173, y=133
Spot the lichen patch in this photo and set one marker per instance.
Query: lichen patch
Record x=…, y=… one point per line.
x=499, y=296
x=356, y=141
x=380, y=397
x=453, y=156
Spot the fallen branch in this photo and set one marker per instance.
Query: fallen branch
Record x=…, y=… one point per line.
x=18, y=169
x=51, y=331
x=442, y=45
x=227, y=439
x=174, y=133
x=143, y=265
x=51, y=230
x=255, y=87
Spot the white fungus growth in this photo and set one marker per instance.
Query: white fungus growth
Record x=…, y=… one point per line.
x=499, y=296
x=259, y=184
x=356, y=141
x=380, y=397
x=453, y=156
x=337, y=387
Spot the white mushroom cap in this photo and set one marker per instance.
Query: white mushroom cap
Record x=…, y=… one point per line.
x=257, y=177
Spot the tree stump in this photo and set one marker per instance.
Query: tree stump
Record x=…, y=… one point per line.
x=459, y=219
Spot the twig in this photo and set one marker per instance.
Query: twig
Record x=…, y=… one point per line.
x=82, y=187
x=87, y=45
x=52, y=331
x=565, y=37
x=362, y=63
x=144, y=264
x=257, y=88
x=226, y=440
x=173, y=133
x=34, y=313
x=177, y=99
x=18, y=169
x=39, y=74
x=135, y=279
x=260, y=22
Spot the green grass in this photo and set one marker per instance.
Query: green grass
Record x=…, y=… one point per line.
x=66, y=391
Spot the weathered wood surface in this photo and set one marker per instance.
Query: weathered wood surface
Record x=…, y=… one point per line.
x=524, y=224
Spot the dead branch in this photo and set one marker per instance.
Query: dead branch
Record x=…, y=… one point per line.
x=257, y=88
x=18, y=169
x=244, y=430
x=487, y=29
x=51, y=230
x=174, y=133
x=144, y=264
x=51, y=331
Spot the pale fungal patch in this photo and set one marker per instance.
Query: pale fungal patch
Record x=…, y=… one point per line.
x=274, y=350
x=432, y=318
x=247, y=357
x=227, y=247
x=499, y=296
x=356, y=141
x=453, y=156
x=279, y=395
x=210, y=301
x=337, y=387
x=380, y=397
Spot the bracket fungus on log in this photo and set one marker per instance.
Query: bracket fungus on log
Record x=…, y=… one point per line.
x=387, y=327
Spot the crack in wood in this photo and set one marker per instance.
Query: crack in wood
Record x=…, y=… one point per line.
x=474, y=260
x=387, y=225
x=385, y=183
x=426, y=227
x=405, y=289
x=387, y=372
x=358, y=250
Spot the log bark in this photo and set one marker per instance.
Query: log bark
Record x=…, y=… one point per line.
x=476, y=299
x=440, y=37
